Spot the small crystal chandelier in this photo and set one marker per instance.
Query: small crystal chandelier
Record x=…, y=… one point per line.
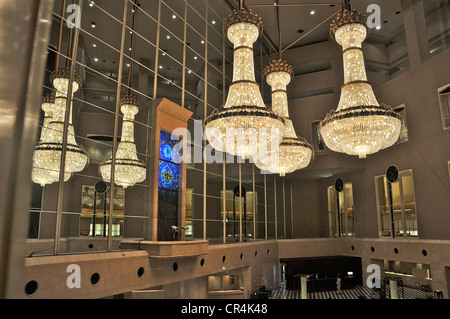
x=360, y=125
x=47, y=155
x=39, y=174
x=244, y=122
x=293, y=152
x=129, y=170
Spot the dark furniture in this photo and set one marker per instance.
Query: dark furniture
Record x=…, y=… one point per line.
x=326, y=269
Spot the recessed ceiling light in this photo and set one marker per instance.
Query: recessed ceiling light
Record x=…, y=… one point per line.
x=93, y=24
x=195, y=58
x=94, y=45
x=213, y=21
x=203, y=41
x=91, y=4
x=313, y=12
x=95, y=59
x=128, y=64
x=189, y=71
x=168, y=37
x=174, y=16
x=160, y=67
x=378, y=27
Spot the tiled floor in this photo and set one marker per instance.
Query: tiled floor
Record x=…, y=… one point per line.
x=355, y=293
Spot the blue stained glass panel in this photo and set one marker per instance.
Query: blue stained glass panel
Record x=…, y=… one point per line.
x=168, y=175
x=166, y=145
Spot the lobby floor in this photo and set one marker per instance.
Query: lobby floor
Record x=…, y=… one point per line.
x=355, y=293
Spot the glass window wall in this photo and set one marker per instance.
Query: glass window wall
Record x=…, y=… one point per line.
x=151, y=50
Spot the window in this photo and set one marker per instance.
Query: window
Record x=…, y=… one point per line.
x=404, y=130
x=168, y=183
x=317, y=141
x=95, y=216
x=189, y=212
x=444, y=100
x=396, y=206
x=340, y=211
x=233, y=205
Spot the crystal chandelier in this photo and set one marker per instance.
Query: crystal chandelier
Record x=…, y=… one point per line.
x=39, y=174
x=129, y=170
x=360, y=125
x=241, y=125
x=294, y=152
x=47, y=155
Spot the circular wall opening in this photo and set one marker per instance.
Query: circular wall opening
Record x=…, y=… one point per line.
x=224, y=258
x=175, y=266
x=242, y=256
x=31, y=287
x=268, y=251
x=91, y=246
x=372, y=249
x=353, y=247
x=95, y=278
x=256, y=253
x=396, y=250
x=140, y=271
x=424, y=252
x=202, y=262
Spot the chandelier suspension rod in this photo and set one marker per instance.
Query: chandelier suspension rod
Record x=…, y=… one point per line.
x=280, y=52
x=317, y=26
x=130, y=74
x=61, y=24
x=347, y=5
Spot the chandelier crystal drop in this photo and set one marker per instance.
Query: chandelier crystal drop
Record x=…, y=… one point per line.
x=360, y=125
x=129, y=170
x=293, y=153
x=47, y=156
x=244, y=122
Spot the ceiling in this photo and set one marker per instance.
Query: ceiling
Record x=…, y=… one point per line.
x=298, y=27
x=303, y=18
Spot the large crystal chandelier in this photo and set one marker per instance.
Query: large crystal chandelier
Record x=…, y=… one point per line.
x=360, y=125
x=293, y=152
x=47, y=155
x=241, y=125
x=129, y=170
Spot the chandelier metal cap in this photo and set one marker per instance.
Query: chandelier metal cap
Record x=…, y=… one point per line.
x=382, y=109
x=257, y=111
x=278, y=66
x=48, y=98
x=243, y=16
x=130, y=100
x=64, y=73
x=347, y=17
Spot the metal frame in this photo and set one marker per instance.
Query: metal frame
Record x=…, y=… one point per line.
x=264, y=43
